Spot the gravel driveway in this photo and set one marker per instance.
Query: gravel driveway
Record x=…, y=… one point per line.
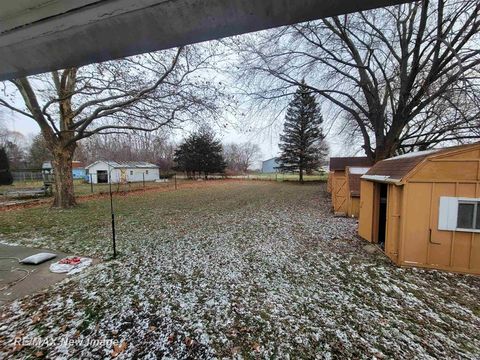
x=239, y=270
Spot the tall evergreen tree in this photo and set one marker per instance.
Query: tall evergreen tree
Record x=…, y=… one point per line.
x=5, y=174
x=38, y=152
x=200, y=152
x=302, y=140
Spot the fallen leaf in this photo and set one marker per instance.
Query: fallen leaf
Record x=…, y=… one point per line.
x=118, y=349
x=188, y=341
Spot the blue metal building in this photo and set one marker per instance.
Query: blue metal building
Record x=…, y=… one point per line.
x=269, y=166
x=78, y=170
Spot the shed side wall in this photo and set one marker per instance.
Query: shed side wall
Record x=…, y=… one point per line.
x=353, y=206
x=394, y=213
x=365, y=221
x=329, y=182
x=417, y=224
x=422, y=243
x=339, y=192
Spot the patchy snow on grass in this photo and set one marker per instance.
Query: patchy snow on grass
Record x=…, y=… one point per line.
x=240, y=271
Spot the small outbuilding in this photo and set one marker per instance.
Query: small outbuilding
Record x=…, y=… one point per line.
x=338, y=183
x=353, y=175
x=78, y=169
x=423, y=208
x=122, y=172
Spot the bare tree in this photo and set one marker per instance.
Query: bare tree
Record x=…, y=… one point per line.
x=141, y=93
x=14, y=144
x=400, y=78
x=131, y=146
x=239, y=157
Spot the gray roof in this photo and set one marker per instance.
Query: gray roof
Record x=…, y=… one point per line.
x=126, y=164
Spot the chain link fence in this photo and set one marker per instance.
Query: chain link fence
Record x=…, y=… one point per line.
x=33, y=185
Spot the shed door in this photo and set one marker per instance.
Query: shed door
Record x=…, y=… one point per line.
x=365, y=219
x=340, y=205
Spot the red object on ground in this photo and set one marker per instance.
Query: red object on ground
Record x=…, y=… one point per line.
x=75, y=260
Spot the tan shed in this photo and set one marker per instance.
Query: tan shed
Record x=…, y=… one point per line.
x=338, y=182
x=353, y=175
x=423, y=208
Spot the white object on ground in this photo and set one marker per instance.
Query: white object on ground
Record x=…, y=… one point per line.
x=38, y=258
x=70, y=269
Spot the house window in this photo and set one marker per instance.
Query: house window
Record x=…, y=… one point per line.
x=468, y=215
x=146, y=172
x=459, y=214
x=131, y=172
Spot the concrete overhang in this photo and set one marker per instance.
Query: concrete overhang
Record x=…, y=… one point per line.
x=43, y=35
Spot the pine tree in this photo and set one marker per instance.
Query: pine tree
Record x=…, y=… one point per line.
x=38, y=152
x=302, y=141
x=200, y=152
x=5, y=174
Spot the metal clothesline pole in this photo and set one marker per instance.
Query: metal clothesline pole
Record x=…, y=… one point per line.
x=112, y=212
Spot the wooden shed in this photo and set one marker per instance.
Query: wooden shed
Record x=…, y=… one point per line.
x=423, y=208
x=353, y=175
x=337, y=181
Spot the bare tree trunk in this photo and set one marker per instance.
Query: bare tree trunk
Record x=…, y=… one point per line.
x=301, y=175
x=64, y=196
x=387, y=146
x=380, y=153
x=383, y=151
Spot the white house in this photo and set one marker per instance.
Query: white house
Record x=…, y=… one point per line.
x=100, y=172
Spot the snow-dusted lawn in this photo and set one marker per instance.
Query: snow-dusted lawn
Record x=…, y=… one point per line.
x=236, y=270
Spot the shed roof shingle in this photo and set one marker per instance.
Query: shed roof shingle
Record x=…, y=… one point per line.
x=339, y=163
x=396, y=168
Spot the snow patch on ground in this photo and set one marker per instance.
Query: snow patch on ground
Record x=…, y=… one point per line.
x=251, y=271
